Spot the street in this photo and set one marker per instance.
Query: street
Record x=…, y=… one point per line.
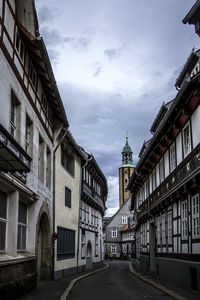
x=114, y=283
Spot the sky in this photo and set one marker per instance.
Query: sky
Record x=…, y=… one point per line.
x=115, y=63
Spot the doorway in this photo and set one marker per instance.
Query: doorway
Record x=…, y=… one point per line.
x=89, y=256
x=44, y=260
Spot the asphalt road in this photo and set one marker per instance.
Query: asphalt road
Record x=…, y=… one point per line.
x=114, y=283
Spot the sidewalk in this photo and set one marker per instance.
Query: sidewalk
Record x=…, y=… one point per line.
x=172, y=291
x=54, y=289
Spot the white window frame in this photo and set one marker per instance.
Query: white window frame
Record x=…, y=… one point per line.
x=169, y=227
x=172, y=157
x=83, y=244
x=184, y=219
x=22, y=225
x=187, y=146
x=195, y=216
x=124, y=220
x=158, y=231
x=114, y=232
x=163, y=224
x=162, y=170
x=113, y=249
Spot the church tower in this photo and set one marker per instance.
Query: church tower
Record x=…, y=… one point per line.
x=125, y=172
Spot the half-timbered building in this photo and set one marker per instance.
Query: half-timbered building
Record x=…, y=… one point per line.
x=92, y=208
x=166, y=187
x=31, y=112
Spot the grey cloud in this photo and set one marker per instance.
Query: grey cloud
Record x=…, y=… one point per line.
x=47, y=14
x=114, y=53
x=97, y=72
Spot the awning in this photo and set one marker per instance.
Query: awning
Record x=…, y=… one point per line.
x=12, y=156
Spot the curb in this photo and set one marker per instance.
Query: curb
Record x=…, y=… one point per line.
x=156, y=285
x=72, y=283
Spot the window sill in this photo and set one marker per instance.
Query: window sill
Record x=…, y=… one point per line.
x=6, y=259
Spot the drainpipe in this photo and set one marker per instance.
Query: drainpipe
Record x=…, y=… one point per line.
x=54, y=183
x=81, y=189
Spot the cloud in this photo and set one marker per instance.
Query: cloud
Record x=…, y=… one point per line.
x=47, y=14
x=114, y=53
x=113, y=195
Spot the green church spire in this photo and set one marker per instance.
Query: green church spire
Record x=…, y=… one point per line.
x=127, y=160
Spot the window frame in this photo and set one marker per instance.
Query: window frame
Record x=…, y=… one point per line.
x=114, y=232
x=68, y=197
x=113, y=249
x=195, y=216
x=189, y=146
x=65, y=246
x=22, y=226
x=172, y=157
x=124, y=220
x=184, y=220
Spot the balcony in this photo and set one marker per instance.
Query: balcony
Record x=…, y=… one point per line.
x=13, y=158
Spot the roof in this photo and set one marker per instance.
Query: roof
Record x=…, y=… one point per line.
x=111, y=218
x=164, y=108
x=41, y=61
x=191, y=15
x=187, y=68
x=126, y=228
x=164, y=127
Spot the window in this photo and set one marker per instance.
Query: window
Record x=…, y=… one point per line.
x=162, y=170
x=65, y=243
x=124, y=219
x=96, y=244
x=113, y=249
x=114, y=233
x=186, y=140
x=67, y=197
x=184, y=224
x=15, y=116
x=163, y=230
x=41, y=159
x=154, y=179
x=195, y=216
x=158, y=230
x=67, y=159
x=83, y=243
x=172, y=157
x=19, y=45
x=22, y=225
x=169, y=227
x=48, y=169
x=28, y=135
x=3, y=220
x=33, y=75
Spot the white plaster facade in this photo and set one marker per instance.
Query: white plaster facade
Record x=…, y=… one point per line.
x=65, y=216
x=27, y=198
